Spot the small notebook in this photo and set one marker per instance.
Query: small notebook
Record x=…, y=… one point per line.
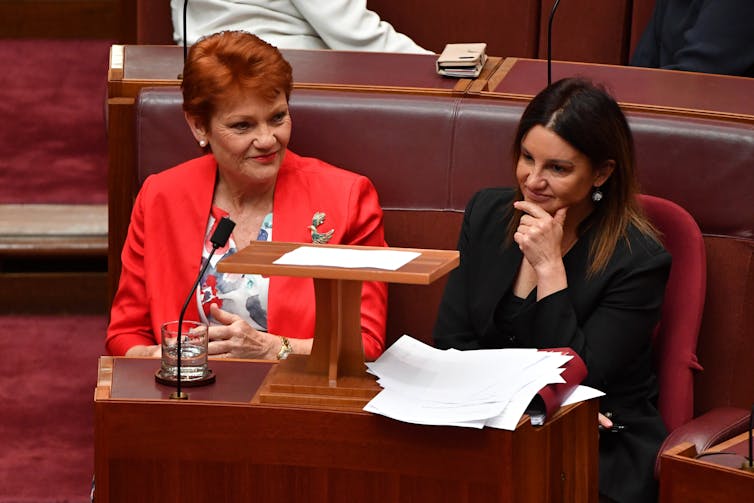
x=462, y=60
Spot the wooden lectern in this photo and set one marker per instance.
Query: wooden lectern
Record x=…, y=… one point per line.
x=334, y=374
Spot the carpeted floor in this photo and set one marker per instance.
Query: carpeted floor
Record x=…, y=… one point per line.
x=53, y=149
x=46, y=406
x=53, y=146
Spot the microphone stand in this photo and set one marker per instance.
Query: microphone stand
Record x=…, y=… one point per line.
x=219, y=238
x=549, y=41
x=185, y=42
x=750, y=467
x=185, y=35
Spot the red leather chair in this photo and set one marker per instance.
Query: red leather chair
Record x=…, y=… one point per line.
x=676, y=335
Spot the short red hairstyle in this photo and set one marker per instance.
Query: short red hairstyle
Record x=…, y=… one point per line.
x=227, y=64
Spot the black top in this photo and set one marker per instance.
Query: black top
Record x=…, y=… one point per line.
x=711, y=36
x=607, y=319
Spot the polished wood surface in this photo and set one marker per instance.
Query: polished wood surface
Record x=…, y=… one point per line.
x=148, y=448
x=121, y=181
x=53, y=229
x=46, y=249
x=334, y=374
x=236, y=382
x=259, y=256
x=646, y=89
x=133, y=66
x=687, y=476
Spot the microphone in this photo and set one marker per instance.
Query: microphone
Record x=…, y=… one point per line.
x=549, y=41
x=218, y=239
x=185, y=35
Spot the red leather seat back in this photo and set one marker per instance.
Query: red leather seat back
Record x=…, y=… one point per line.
x=677, y=333
x=702, y=165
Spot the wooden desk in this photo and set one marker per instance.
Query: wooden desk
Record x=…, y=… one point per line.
x=222, y=445
x=686, y=478
x=638, y=89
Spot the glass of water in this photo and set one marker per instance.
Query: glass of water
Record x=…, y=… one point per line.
x=194, y=341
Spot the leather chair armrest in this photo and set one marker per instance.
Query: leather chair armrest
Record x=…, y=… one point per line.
x=709, y=429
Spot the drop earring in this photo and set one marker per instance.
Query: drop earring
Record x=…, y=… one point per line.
x=597, y=195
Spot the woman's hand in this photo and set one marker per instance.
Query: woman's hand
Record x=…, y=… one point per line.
x=234, y=338
x=604, y=421
x=540, y=236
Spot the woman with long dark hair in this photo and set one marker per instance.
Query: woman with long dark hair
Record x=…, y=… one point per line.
x=567, y=259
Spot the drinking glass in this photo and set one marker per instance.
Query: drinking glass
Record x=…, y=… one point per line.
x=194, y=342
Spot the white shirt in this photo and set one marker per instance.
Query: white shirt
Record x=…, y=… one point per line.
x=294, y=24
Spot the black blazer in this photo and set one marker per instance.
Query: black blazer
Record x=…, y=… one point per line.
x=607, y=319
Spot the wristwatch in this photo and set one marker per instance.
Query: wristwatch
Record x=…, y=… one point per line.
x=285, y=348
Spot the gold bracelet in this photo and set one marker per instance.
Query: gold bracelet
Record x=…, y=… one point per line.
x=285, y=348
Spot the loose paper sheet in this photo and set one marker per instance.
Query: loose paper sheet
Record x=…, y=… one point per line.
x=490, y=387
x=391, y=260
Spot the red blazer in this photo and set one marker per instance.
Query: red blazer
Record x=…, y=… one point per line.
x=162, y=253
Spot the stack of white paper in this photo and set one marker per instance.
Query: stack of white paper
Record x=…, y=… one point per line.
x=491, y=387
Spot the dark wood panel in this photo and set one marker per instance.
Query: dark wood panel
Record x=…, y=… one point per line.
x=587, y=31
x=155, y=25
x=254, y=452
x=121, y=182
x=509, y=28
x=81, y=292
x=62, y=19
x=685, y=478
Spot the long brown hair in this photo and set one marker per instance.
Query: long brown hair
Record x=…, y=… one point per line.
x=590, y=120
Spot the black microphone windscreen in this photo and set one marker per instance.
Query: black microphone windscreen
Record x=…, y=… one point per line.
x=222, y=232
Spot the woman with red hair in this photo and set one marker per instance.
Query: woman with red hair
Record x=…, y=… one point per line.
x=235, y=90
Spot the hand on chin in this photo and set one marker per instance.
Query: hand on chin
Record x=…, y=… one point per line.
x=548, y=205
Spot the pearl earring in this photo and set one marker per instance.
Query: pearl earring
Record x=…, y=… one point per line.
x=202, y=143
x=597, y=195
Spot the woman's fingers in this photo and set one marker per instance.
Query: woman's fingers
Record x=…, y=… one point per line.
x=224, y=317
x=530, y=209
x=604, y=421
x=219, y=348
